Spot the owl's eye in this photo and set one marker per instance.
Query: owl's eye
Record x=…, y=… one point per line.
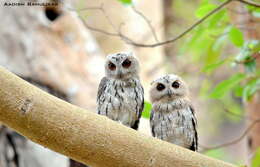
x=126, y=63
x=175, y=84
x=111, y=66
x=160, y=87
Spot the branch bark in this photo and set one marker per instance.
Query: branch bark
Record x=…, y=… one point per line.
x=85, y=136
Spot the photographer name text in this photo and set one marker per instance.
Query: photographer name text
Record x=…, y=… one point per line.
x=30, y=4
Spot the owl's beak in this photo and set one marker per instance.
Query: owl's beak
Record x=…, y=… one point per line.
x=169, y=93
x=119, y=75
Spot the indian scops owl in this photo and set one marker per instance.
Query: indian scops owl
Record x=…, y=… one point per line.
x=120, y=93
x=172, y=117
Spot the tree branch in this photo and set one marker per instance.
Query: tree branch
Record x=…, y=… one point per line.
x=85, y=136
x=244, y=134
x=134, y=43
x=249, y=3
x=147, y=21
x=171, y=40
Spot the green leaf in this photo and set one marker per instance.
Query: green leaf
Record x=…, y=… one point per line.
x=204, y=88
x=238, y=90
x=204, y=10
x=147, y=110
x=253, y=8
x=245, y=55
x=250, y=89
x=250, y=66
x=234, y=109
x=225, y=86
x=256, y=14
x=236, y=37
x=216, y=153
x=215, y=19
x=211, y=56
x=211, y=67
x=126, y=2
x=256, y=159
x=220, y=42
x=254, y=45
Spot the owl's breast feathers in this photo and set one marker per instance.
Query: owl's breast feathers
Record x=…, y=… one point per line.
x=175, y=122
x=121, y=100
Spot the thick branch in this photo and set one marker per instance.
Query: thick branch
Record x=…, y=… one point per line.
x=83, y=135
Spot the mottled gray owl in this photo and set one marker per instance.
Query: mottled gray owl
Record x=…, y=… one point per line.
x=120, y=93
x=172, y=116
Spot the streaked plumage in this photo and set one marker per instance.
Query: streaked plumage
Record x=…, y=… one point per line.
x=120, y=93
x=172, y=116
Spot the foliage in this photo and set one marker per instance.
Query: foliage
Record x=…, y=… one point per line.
x=217, y=153
x=234, y=77
x=147, y=110
x=223, y=87
x=126, y=2
x=256, y=159
x=236, y=36
x=207, y=46
x=218, y=34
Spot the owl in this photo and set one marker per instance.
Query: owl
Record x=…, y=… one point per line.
x=172, y=117
x=120, y=94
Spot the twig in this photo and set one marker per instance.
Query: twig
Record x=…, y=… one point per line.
x=135, y=43
x=205, y=148
x=97, y=29
x=100, y=8
x=186, y=31
x=249, y=3
x=108, y=18
x=147, y=21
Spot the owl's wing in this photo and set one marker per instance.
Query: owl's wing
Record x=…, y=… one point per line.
x=194, y=145
x=151, y=123
x=136, y=124
x=101, y=88
x=142, y=105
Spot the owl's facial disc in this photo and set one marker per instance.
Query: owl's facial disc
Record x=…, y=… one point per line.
x=122, y=66
x=168, y=88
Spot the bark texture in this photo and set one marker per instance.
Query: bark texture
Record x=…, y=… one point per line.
x=83, y=135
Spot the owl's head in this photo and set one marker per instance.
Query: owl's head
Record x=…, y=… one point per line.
x=123, y=65
x=168, y=88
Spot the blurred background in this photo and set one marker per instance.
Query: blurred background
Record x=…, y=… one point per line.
x=214, y=45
